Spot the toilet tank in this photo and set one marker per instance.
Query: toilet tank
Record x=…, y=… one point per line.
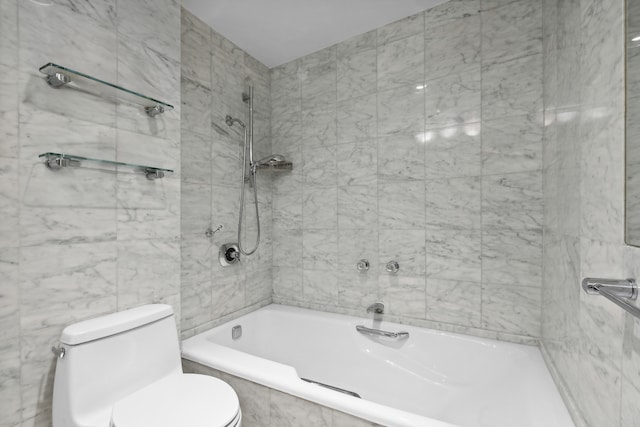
x=110, y=357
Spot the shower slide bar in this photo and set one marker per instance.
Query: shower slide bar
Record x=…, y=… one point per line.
x=619, y=292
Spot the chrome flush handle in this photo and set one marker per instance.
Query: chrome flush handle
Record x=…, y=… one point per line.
x=60, y=352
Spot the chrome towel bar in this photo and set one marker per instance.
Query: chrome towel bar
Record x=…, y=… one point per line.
x=377, y=332
x=619, y=292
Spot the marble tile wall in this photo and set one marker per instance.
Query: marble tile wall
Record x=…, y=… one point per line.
x=266, y=407
x=81, y=242
x=419, y=142
x=591, y=344
x=215, y=73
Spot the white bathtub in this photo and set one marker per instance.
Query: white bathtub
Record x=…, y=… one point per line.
x=431, y=379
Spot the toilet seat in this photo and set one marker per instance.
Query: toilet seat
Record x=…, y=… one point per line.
x=185, y=400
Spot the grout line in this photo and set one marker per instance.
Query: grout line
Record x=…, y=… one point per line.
x=424, y=160
x=335, y=165
x=19, y=213
x=116, y=209
x=542, y=172
x=481, y=183
x=377, y=193
x=211, y=258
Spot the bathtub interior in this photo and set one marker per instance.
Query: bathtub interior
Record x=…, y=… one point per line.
x=455, y=378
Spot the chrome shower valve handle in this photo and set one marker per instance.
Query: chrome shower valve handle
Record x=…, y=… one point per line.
x=393, y=267
x=363, y=265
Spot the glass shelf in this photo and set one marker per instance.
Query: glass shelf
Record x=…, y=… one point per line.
x=57, y=161
x=59, y=76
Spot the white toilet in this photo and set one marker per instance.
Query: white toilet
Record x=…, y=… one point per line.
x=124, y=370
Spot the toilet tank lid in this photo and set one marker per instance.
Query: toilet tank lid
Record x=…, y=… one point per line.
x=111, y=324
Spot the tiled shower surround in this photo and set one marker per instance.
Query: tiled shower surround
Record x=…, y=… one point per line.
x=215, y=73
x=419, y=142
x=479, y=144
x=593, y=346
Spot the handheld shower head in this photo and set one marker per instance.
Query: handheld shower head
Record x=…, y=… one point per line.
x=274, y=158
x=230, y=121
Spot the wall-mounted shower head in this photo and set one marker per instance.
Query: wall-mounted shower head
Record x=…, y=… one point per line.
x=230, y=121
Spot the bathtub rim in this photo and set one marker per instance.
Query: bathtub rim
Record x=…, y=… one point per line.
x=284, y=378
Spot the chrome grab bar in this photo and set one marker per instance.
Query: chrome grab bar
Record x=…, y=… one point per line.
x=380, y=333
x=618, y=292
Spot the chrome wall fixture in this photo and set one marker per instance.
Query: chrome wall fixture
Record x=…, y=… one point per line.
x=380, y=333
x=393, y=267
x=363, y=265
x=209, y=232
x=376, y=308
x=274, y=162
x=154, y=111
x=618, y=291
x=229, y=254
x=236, y=332
x=59, y=351
x=57, y=80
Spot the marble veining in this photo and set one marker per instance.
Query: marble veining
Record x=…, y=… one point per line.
x=400, y=157
x=356, y=119
x=452, y=100
x=512, y=87
x=357, y=163
x=402, y=28
x=401, y=62
x=453, y=254
x=401, y=111
x=82, y=237
x=356, y=73
x=512, y=30
x=357, y=44
x=590, y=342
x=454, y=302
x=357, y=207
x=436, y=144
x=452, y=46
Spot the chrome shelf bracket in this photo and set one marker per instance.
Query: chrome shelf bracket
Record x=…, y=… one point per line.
x=57, y=80
x=152, y=174
x=56, y=163
x=154, y=111
x=618, y=291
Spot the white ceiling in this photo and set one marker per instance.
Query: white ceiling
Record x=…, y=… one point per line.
x=278, y=31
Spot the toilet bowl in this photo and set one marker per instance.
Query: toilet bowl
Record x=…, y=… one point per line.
x=182, y=400
x=124, y=370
